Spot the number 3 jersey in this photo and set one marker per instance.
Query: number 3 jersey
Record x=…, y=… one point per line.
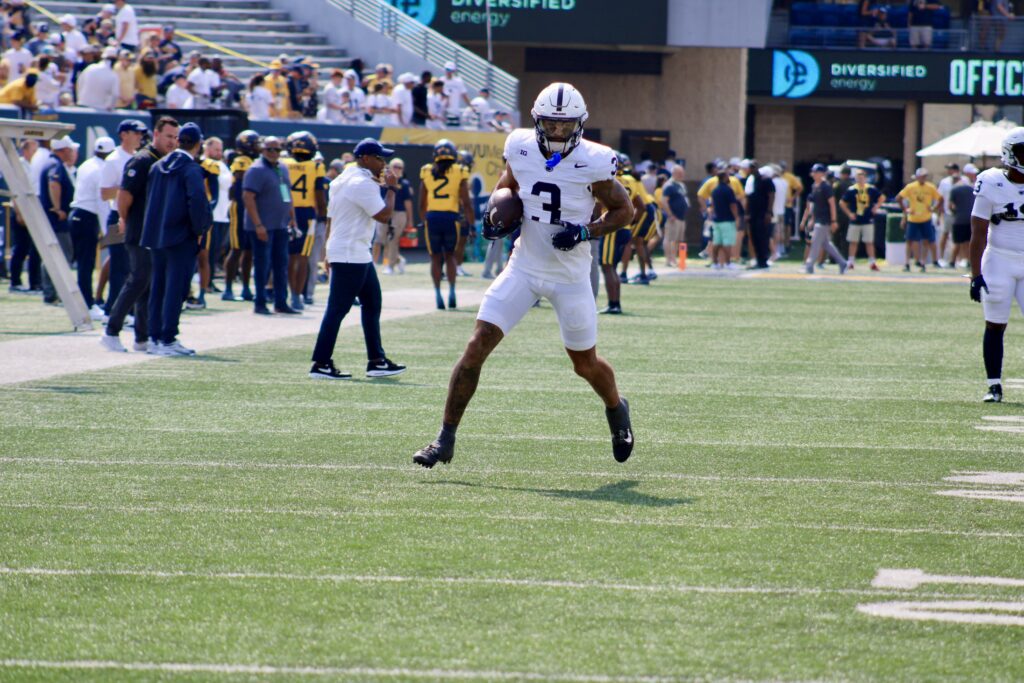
x=1001, y=203
x=562, y=193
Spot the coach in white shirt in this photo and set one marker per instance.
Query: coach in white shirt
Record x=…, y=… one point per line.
x=354, y=210
x=88, y=213
x=98, y=85
x=127, y=26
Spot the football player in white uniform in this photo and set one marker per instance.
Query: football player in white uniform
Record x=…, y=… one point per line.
x=558, y=176
x=997, y=252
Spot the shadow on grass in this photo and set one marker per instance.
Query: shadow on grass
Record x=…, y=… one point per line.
x=61, y=390
x=622, y=492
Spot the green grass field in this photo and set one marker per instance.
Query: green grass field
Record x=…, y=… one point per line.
x=195, y=519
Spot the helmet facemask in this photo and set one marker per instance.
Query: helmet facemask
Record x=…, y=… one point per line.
x=558, y=136
x=1013, y=156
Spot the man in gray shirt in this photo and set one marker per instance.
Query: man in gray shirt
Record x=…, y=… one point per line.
x=270, y=214
x=821, y=207
x=961, y=203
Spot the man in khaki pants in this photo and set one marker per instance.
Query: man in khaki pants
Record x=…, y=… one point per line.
x=388, y=234
x=675, y=204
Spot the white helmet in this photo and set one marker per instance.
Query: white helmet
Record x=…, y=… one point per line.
x=1013, y=139
x=559, y=102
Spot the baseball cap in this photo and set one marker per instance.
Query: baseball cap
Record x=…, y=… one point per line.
x=338, y=165
x=168, y=27
x=370, y=147
x=952, y=165
x=43, y=28
x=351, y=74
x=721, y=167
x=920, y=172
x=819, y=168
x=109, y=7
x=766, y=171
x=63, y=143
x=190, y=135
x=109, y=52
x=734, y=161
x=449, y=66
x=745, y=164
x=407, y=78
x=970, y=168
x=103, y=145
x=132, y=125
x=276, y=64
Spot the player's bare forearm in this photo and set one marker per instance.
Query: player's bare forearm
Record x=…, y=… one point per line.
x=979, y=240
x=508, y=180
x=618, y=209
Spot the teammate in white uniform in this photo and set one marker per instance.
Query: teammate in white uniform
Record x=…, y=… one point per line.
x=558, y=176
x=997, y=252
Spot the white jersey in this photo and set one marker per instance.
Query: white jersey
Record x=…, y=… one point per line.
x=562, y=193
x=1001, y=202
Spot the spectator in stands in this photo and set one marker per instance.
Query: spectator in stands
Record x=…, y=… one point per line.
x=106, y=13
x=921, y=22
x=56, y=190
x=259, y=101
x=74, y=40
x=476, y=116
x=204, y=84
x=455, y=92
x=1002, y=14
x=18, y=56
x=88, y=213
x=89, y=28
x=382, y=75
x=380, y=108
x=881, y=33
x=401, y=99
x=105, y=33
x=420, y=113
x=98, y=86
x=277, y=83
x=40, y=40
x=501, y=122
x=169, y=50
x=16, y=16
x=270, y=217
x=356, y=110
x=437, y=106
x=334, y=111
x=231, y=86
x=51, y=79
x=179, y=95
x=21, y=92
x=127, y=26
x=125, y=70
x=145, y=81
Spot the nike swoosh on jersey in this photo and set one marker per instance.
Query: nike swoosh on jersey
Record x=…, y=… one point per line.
x=580, y=166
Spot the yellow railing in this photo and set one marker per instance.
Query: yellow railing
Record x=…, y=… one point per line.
x=183, y=34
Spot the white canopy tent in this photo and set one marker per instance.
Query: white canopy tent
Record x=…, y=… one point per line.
x=980, y=139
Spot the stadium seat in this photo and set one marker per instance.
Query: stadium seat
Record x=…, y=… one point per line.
x=941, y=19
x=803, y=14
x=805, y=37
x=940, y=40
x=898, y=16
x=849, y=15
x=828, y=15
x=843, y=37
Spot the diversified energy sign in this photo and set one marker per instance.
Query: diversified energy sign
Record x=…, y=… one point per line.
x=934, y=77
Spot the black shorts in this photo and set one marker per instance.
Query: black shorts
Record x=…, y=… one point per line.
x=961, y=233
x=442, y=231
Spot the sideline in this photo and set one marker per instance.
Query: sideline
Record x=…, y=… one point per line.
x=46, y=356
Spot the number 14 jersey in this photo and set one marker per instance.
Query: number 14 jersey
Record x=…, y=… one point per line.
x=1001, y=202
x=562, y=193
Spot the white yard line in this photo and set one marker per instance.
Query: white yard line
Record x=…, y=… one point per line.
x=332, y=671
x=618, y=474
x=42, y=357
x=553, y=584
x=325, y=513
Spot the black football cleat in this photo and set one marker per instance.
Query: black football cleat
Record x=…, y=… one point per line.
x=433, y=454
x=622, y=430
x=995, y=394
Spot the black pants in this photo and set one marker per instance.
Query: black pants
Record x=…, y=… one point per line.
x=168, y=289
x=760, y=232
x=134, y=294
x=24, y=249
x=119, y=267
x=85, y=235
x=349, y=280
x=271, y=257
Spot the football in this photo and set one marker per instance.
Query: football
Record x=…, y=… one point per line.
x=505, y=208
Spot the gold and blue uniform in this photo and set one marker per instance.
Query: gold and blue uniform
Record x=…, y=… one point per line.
x=237, y=236
x=612, y=245
x=443, y=204
x=647, y=226
x=306, y=176
x=211, y=178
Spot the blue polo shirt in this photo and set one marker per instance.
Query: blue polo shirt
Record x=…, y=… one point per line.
x=56, y=172
x=273, y=194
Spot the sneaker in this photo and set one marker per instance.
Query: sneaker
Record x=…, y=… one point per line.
x=111, y=342
x=214, y=289
x=96, y=313
x=995, y=394
x=194, y=304
x=285, y=310
x=874, y=267
x=327, y=371
x=401, y=265
x=906, y=267
x=142, y=346
x=153, y=347
x=622, y=431
x=296, y=303
x=451, y=300
x=809, y=269
x=732, y=266
x=247, y=295
x=843, y=267
x=18, y=289
x=388, y=270
x=176, y=348
x=849, y=265
x=261, y=310
x=942, y=263
x=611, y=310
x=307, y=301
x=383, y=368
x=433, y=454
x=230, y=296
x=439, y=299
x=461, y=272
x=623, y=278
x=922, y=267
x=651, y=275
x=640, y=279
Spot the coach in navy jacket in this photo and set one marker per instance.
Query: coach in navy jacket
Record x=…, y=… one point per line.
x=178, y=213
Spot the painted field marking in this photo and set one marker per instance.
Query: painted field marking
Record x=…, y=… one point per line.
x=981, y=494
x=952, y=611
x=1003, y=418
x=993, y=478
x=909, y=579
x=1006, y=429
x=327, y=513
x=1008, y=479
x=344, y=672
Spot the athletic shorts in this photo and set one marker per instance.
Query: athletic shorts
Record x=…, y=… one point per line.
x=442, y=231
x=962, y=233
x=305, y=218
x=512, y=295
x=380, y=234
x=238, y=238
x=724, y=234
x=612, y=245
x=647, y=226
x=861, y=232
x=917, y=232
x=1004, y=277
